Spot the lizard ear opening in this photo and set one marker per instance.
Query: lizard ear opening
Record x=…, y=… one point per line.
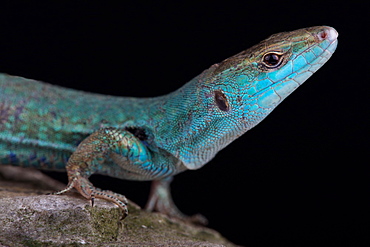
x=221, y=101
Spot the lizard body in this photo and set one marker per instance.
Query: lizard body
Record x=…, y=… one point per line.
x=50, y=127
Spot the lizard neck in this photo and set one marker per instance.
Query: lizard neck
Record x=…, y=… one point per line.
x=186, y=126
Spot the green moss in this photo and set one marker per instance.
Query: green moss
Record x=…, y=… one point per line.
x=35, y=243
x=105, y=223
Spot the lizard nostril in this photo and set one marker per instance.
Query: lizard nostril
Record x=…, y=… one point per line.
x=328, y=33
x=323, y=35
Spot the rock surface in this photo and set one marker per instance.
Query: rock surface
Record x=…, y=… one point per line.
x=28, y=217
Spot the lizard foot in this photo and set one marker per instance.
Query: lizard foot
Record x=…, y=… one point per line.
x=160, y=200
x=87, y=190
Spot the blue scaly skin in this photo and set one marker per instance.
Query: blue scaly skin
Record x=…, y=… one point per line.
x=50, y=127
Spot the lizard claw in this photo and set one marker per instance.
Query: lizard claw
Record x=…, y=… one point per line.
x=87, y=190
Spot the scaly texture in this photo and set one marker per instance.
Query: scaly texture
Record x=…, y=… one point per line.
x=50, y=127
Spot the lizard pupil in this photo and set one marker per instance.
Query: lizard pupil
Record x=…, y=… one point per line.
x=272, y=60
x=221, y=101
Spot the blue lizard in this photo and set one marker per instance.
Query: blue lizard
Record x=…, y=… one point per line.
x=50, y=127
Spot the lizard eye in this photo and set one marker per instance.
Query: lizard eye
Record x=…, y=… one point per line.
x=272, y=60
x=221, y=101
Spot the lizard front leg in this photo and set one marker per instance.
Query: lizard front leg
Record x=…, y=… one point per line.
x=128, y=153
x=131, y=159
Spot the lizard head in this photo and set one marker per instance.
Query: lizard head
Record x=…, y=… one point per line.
x=242, y=90
x=252, y=83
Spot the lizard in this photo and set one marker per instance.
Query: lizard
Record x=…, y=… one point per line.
x=55, y=128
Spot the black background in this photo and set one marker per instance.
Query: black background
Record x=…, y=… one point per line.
x=300, y=178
